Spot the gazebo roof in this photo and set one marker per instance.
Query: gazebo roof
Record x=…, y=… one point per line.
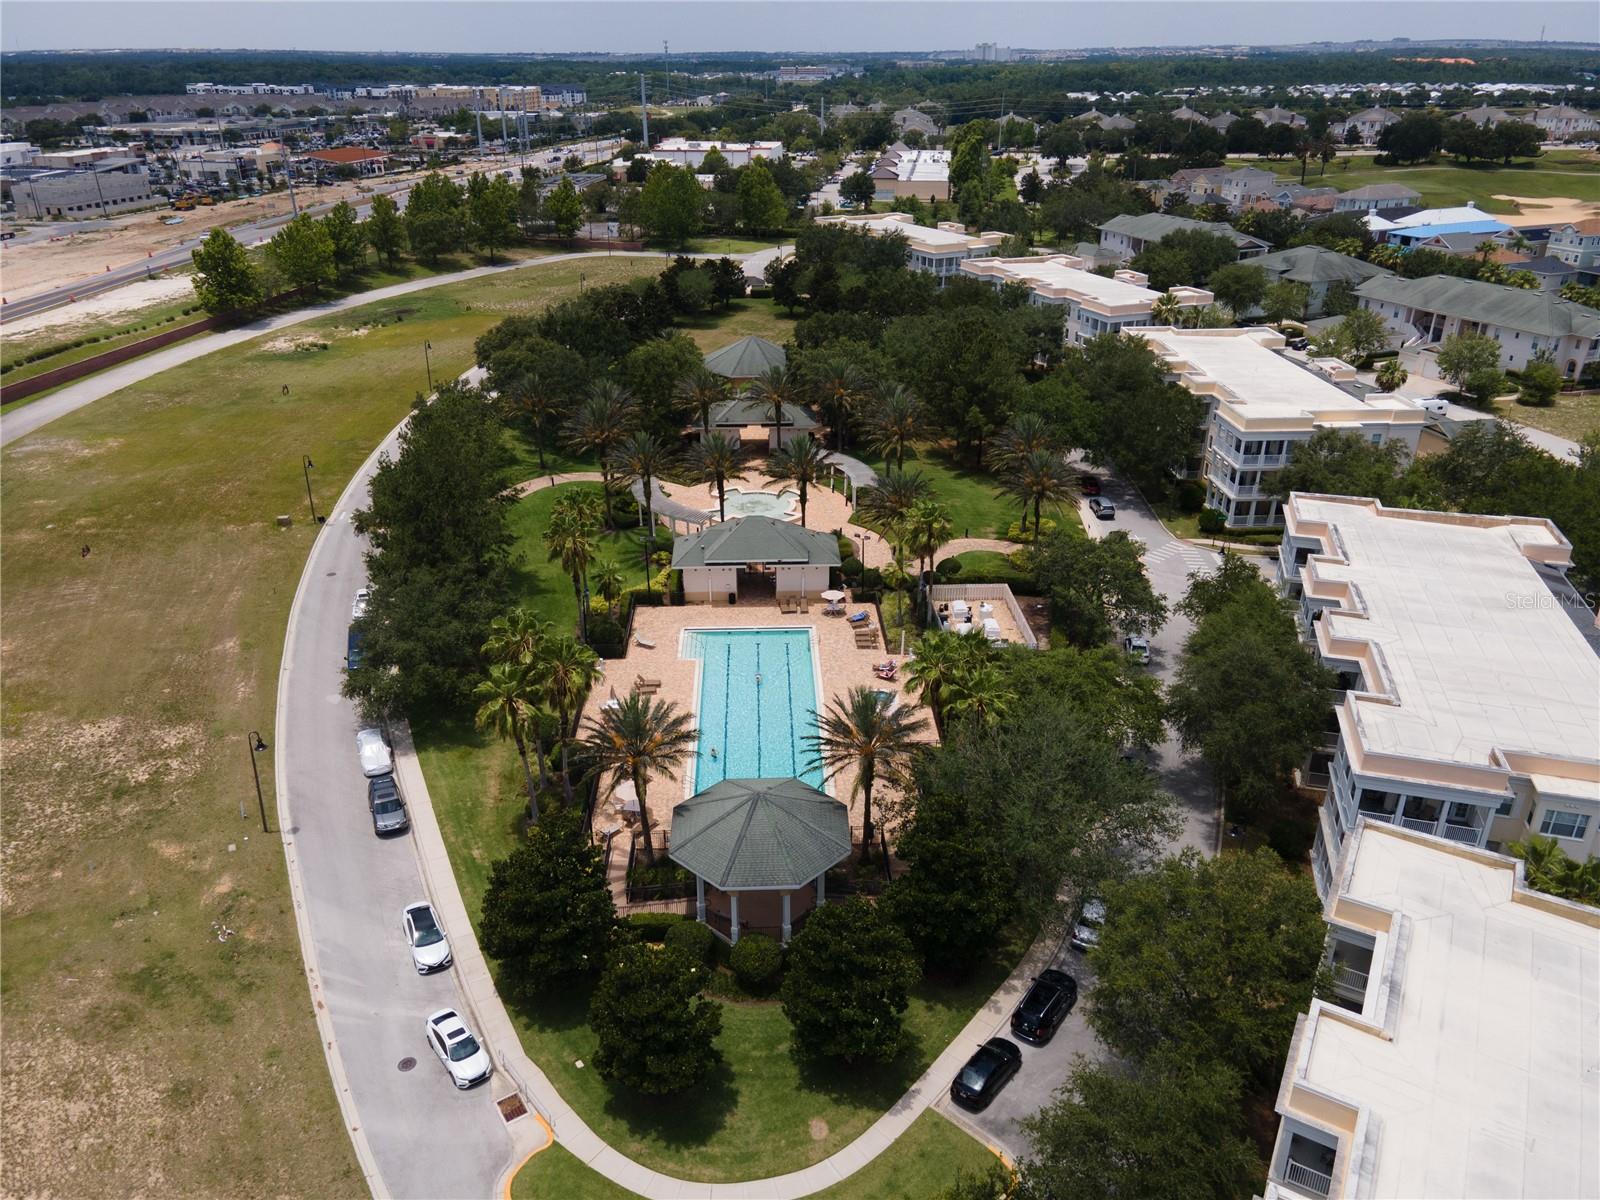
x=755, y=540
x=746, y=359
x=759, y=834
x=741, y=411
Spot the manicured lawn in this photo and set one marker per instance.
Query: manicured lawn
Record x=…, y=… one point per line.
x=922, y=1162
x=1574, y=415
x=759, y=316
x=730, y=245
x=132, y=676
x=976, y=508
x=1444, y=184
x=1187, y=525
x=990, y=566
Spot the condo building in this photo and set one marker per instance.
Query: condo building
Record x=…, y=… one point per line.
x=1093, y=304
x=935, y=250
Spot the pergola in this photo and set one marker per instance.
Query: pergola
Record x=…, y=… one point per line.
x=765, y=842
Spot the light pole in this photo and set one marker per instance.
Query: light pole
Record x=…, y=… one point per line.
x=427, y=362
x=306, y=465
x=256, y=746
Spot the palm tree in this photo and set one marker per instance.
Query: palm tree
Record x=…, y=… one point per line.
x=1327, y=150
x=530, y=388
x=938, y=655
x=777, y=388
x=1519, y=243
x=861, y=731
x=801, y=461
x=570, y=541
x=1039, y=476
x=608, y=581
x=895, y=422
x=980, y=693
x=517, y=636
x=1303, y=150
x=508, y=702
x=926, y=527
x=1165, y=310
x=889, y=500
x=716, y=460
x=1025, y=433
x=838, y=385
x=602, y=419
x=1485, y=251
x=643, y=456
x=638, y=736
x=569, y=668
x=699, y=391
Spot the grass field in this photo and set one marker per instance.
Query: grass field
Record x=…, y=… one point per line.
x=1444, y=184
x=1574, y=415
x=142, y=1055
x=924, y=1161
x=760, y=317
x=976, y=508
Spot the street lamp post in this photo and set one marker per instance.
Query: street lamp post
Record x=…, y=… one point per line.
x=256, y=745
x=427, y=362
x=306, y=465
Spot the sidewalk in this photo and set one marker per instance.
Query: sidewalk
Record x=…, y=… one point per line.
x=490, y=1017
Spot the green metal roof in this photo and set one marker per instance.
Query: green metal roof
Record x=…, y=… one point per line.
x=1538, y=313
x=1315, y=264
x=760, y=834
x=742, y=411
x=755, y=540
x=746, y=358
x=1152, y=227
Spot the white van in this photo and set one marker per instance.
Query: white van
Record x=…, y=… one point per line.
x=1434, y=406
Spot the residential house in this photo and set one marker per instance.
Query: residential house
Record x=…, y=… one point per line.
x=1116, y=123
x=1485, y=115
x=1260, y=404
x=1406, y=229
x=1469, y=679
x=924, y=174
x=1014, y=119
x=1456, y=1056
x=1318, y=268
x=1368, y=125
x=1184, y=113
x=1279, y=116
x=1376, y=196
x=1128, y=234
x=907, y=120
x=938, y=251
x=1560, y=121
x=1578, y=245
x=1317, y=202
x=1525, y=323
x=1221, y=121
x=1094, y=304
x=1552, y=273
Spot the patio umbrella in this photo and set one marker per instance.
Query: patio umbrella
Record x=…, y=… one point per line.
x=627, y=796
x=832, y=595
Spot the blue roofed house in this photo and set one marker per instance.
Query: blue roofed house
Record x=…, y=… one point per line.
x=1414, y=228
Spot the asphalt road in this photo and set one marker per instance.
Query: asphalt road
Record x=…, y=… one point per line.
x=429, y=1140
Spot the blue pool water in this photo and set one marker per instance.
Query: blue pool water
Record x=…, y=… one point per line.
x=757, y=730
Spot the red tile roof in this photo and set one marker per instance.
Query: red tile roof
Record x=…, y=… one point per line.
x=347, y=154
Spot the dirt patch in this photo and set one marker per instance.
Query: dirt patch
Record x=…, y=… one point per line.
x=64, y=321
x=291, y=343
x=819, y=1129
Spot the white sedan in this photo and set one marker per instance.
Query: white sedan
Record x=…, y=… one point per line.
x=459, y=1052
x=358, y=607
x=1138, y=647
x=430, y=949
x=374, y=753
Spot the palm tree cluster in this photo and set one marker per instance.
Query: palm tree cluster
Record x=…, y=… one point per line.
x=532, y=669
x=901, y=504
x=570, y=539
x=862, y=729
x=1031, y=467
x=599, y=424
x=635, y=738
x=959, y=677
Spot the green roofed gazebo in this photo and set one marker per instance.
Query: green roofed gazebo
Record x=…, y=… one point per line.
x=798, y=561
x=744, y=412
x=768, y=842
x=746, y=359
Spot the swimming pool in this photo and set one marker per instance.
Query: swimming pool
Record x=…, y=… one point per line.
x=750, y=729
x=784, y=504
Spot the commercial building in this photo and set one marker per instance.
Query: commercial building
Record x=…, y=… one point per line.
x=225, y=168
x=924, y=174
x=1260, y=404
x=1319, y=269
x=1471, y=681
x=1409, y=229
x=107, y=186
x=1094, y=304
x=1460, y=1057
x=685, y=153
x=17, y=154
x=1127, y=235
x=1525, y=323
x=354, y=158
x=937, y=251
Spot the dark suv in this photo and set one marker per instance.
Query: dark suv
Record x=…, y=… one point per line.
x=1045, y=1006
x=388, y=809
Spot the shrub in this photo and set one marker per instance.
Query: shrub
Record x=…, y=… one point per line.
x=872, y=578
x=948, y=568
x=1212, y=521
x=1014, y=531
x=851, y=568
x=847, y=548
x=755, y=960
x=654, y=1033
x=1539, y=384
x=653, y=926
x=694, y=939
x=1189, y=495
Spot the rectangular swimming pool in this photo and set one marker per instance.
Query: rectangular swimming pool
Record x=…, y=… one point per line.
x=758, y=694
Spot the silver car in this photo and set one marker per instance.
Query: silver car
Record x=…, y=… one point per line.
x=1086, y=929
x=430, y=949
x=373, y=752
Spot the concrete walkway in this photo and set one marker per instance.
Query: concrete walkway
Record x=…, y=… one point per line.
x=529, y=486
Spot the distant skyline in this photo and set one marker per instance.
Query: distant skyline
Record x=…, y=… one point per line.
x=796, y=26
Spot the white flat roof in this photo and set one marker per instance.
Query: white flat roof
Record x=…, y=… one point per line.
x=926, y=234
x=1264, y=383
x=1052, y=272
x=1488, y=1081
x=1478, y=650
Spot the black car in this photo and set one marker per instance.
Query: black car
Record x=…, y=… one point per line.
x=387, y=808
x=986, y=1072
x=1045, y=1006
x=1297, y=343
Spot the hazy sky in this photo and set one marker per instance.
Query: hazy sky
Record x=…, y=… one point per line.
x=810, y=26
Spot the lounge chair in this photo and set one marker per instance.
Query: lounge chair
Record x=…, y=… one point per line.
x=833, y=610
x=643, y=643
x=646, y=687
x=859, y=618
x=885, y=671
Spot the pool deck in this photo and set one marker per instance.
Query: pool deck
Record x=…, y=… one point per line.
x=840, y=664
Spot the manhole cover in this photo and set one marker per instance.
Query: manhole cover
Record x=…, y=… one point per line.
x=405, y=1064
x=512, y=1107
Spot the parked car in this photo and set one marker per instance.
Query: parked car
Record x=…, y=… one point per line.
x=430, y=949
x=459, y=1052
x=373, y=752
x=352, y=649
x=986, y=1072
x=1103, y=509
x=1297, y=343
x=1089, y=485
x=1434, y=406
x=358, y=607
x=1139, y=647
x=1086, y=929
x=1045, y=1006
x=387, y=808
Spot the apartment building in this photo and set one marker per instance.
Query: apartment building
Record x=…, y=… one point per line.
x=1094, y=304
x=1557, y=121
x=934, y=250
x=1470, y=707
x=1260, y=404
x=1459, y=1057
x=1126, y=235
x=1525, y=323
x=1578, y=245
x=683, y=152
x=1319, y=269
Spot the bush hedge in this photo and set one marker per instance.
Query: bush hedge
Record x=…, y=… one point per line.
x=695, y=940
x=652, y=926
x=755, y=960
x=1212, y=520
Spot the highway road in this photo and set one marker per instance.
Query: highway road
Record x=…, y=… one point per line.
x=427, y=1140
x=249, y=234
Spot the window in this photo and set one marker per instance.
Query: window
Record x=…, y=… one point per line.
x=1564, y=824
x=1506, y=806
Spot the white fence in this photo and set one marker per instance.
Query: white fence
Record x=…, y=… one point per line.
x=943, y=593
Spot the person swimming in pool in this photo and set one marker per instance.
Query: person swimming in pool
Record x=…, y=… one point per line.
x=758, y=678
x=713, y=754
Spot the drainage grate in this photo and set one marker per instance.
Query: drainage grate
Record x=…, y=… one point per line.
x=405, y=1064
x=512, y=1107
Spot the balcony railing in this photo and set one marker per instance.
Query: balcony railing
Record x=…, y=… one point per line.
x=1301, y=1176
x=1264, y=520
x=1349, y=980
x=1252, y=460
x=1470, y=834
x=1377, y=814
x=1419, y=825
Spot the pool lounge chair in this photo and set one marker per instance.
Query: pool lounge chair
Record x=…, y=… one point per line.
x=859, y=618
x=835, y=609
x=643, y=643
x=646, y=687
x=884, y=670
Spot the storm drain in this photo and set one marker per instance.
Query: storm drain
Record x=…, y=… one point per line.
x=512, y=1107
x=405, y=1064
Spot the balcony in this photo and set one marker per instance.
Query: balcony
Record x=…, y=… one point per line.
x=1307, y=1179
x=1265, y=521
x=1420, y=825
